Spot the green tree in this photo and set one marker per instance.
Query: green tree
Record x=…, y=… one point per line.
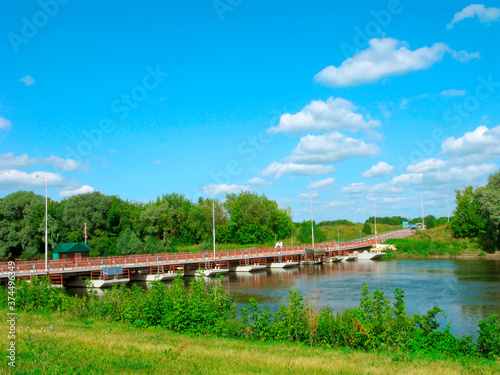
x=22, y=225
x=468, y=221
x=489, y=202
x=255, y=219
x=305, y=233
x=367, y=229
x=90, y=208
x=128, y=243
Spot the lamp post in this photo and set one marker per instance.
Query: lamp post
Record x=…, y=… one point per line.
x=213, y=216
x=447, y=206
x=422, y=201
x=312, y=221
x=46, y=236
x=374, y=217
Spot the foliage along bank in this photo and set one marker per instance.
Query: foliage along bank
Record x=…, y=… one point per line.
x=206, y=308
x=118, y=227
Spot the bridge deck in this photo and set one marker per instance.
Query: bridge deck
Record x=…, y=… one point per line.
x=86, y=265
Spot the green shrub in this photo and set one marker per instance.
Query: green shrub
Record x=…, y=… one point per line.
x=489, y=337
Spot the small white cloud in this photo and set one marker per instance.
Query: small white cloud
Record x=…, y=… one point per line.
x=356, y=188
x=81, y=190
x=334, y=114
x=464, y=56
x=27, y=80
x=476, y=10
x=453, y=92
x=257, y=181
x=227, y=189
x=12, y=179
x=480, y=145
x=277, y=170
x=429, y=165
x=379, y=170
x=5, y=124
x=66, y=164
x=322, y=184
x=157, y=162
x=9, y=161
x=383, y=58
x=331, y=148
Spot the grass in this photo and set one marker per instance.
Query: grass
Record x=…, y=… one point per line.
x=435, y=241
x=351, y=232
x=77, y=346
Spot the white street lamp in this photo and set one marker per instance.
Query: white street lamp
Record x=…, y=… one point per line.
x=312, y=221
x=374, y=217
x=213, y=216
x=447, y=206
x=422, y=200
x=46, y=236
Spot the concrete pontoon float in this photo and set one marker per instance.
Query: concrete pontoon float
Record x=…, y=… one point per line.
x=313, y=255
x=109, y=276
x=285, y=262
x=213, y=268
x=251, y=265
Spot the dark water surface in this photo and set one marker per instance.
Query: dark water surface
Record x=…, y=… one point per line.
x=468, y=290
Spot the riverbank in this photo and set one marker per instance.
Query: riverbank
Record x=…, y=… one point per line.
x=437, y=243
x=54, y=343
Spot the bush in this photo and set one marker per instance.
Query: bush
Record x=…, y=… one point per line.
x=489, y=337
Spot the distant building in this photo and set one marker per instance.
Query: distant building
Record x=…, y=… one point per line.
x=71, y=250
x=406, y=224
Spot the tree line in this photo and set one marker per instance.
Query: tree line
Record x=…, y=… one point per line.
x=119, y=227
x=477, y=214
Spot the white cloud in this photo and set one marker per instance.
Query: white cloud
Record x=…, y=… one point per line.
x=9, y=161
x=383, y=58
x=5, y=124
x=330, y=148
x=334, y=114
x=379, y=170
x=257, y=181
x=322, y=184
x=333, y=204
x=476, y=10
x=277, y=170
x=12, y=179
x=81, y=190
x=436, y=174
x=464, y=56
x=428, y=165
x=27, y=80
x=355, y=188
x=227, y=189
x=156, y=162
x=479, y=145
x=66, y=164
x=453, y=92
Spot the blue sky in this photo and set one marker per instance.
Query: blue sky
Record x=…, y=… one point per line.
x=336, y=99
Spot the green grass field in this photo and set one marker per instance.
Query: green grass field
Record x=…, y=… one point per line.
x=56, y=344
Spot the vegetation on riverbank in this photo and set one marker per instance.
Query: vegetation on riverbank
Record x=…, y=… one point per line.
x=378, y=323
x=51, y=343
x=438, y=241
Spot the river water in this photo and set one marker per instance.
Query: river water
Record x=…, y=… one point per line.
x=467, y=290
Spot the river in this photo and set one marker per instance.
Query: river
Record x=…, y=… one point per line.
x=467, y=290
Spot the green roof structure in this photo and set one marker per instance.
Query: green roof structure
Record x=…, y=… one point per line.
x=72, y=247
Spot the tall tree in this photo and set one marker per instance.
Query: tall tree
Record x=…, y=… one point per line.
x=22, y=215
x=468, y=221
x=255, y=219
x=489, y=202
x=305, y=233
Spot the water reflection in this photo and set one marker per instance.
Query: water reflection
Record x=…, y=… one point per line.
x=468, y=290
